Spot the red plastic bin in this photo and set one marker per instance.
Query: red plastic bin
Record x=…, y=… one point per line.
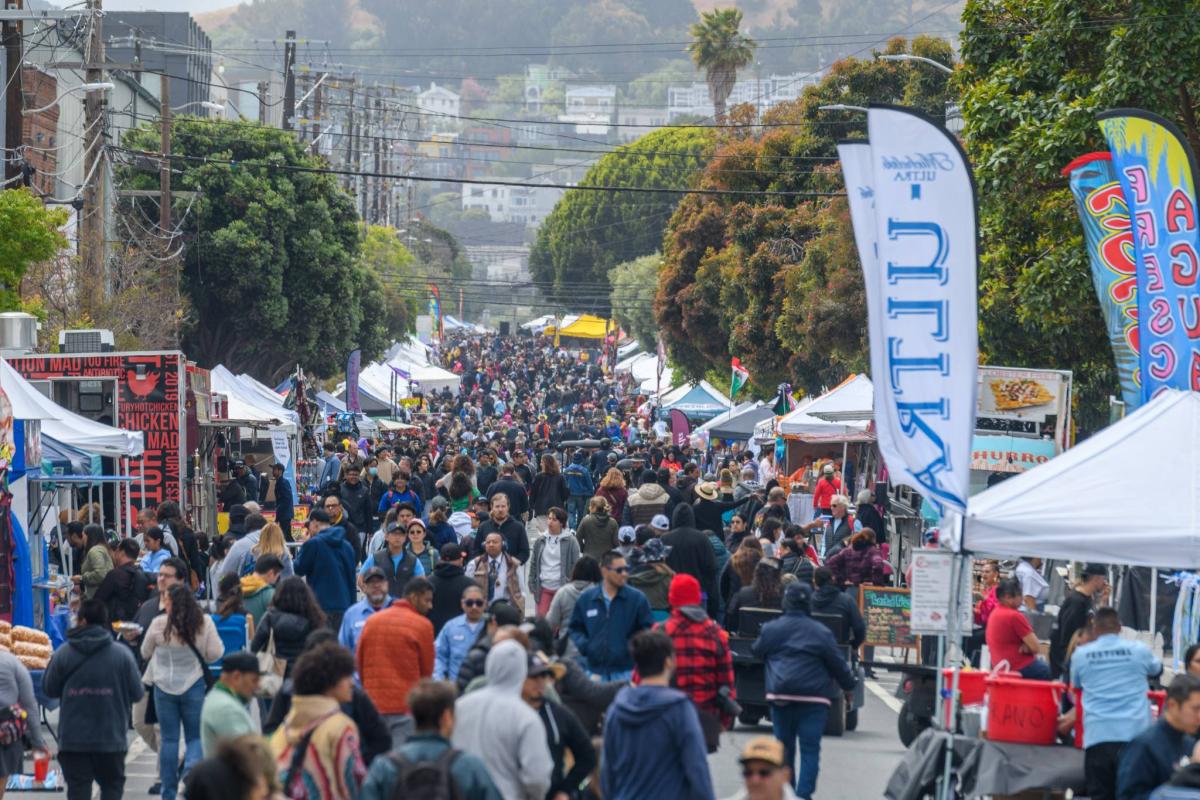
x=1023, y=711
x=972, y=687
x=1157, y=700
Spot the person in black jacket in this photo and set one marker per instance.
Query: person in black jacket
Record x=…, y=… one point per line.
x=563, y=731
x=692, y=553
x=125, y=587
x=801, y=659
x=292, y=616
x=486, y=472
x=449, y=581
x=500, y=614
x=828, y=599
x=516, y=541
x=98, y=682
x=1073, y=614
x=708, y=509
x=868, y=514
x=511, y=487
x=374, y=736
x=356, y=501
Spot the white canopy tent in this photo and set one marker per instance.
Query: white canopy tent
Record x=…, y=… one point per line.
x=1088, y=504
x=843, y=413
x=538, y=325
x=409, y=351
x=248, y=405
x=430, y=377
x=67, y=426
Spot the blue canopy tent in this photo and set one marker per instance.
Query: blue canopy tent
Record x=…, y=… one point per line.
x=59, y=458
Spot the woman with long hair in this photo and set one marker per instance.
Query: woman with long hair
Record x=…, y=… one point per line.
x=461, y=490
x=178, y=646
x=272, y=543
x=549, y=490
x=585, y=575
x=97, y=562
x=460, y=463
x=612, y=488
x=739, y=571
x=292, y=616
x=170, y=519
x=234, y=624
x=765, y=591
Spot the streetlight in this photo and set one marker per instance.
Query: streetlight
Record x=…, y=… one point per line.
x=911, y=57
x=842, y=107
x=211, y=106
x=83, y=87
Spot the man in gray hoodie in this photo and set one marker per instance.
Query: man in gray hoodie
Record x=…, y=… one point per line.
x=495, y=724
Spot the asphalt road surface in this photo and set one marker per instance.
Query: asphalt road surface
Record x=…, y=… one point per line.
x=856, y=765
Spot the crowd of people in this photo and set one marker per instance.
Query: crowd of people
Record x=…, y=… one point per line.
x=532, y=597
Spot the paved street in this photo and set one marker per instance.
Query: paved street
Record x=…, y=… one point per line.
x=856, y=765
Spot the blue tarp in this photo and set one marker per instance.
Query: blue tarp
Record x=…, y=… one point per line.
x=63, y=459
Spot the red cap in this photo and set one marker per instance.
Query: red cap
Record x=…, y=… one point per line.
x=684, y=591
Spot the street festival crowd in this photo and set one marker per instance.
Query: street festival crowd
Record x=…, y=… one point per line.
x=530, y=595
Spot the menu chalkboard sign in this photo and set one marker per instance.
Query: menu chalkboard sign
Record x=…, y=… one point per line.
x=888, y=614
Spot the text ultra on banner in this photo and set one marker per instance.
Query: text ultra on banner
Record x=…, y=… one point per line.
x=927, y=334
x=1157, y=174
x=1108, y=234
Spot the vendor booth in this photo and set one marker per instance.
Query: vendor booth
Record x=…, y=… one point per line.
x=698, y=401
x=834, y=426
x=739, y=425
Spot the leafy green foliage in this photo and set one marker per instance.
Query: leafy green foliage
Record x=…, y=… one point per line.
x=588, y=233
x=391, y=263
x=271, y=266
x=29, y=233
x=775, y=280
x=633, y=286
x=1034, y=76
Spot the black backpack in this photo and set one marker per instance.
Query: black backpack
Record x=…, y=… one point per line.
x=426, y=780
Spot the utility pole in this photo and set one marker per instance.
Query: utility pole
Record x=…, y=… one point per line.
x=262, y=102
x=378, y=165
x=164, y=169
x=318, y=110
x=93, y=223
x=12, y=96
x=289, y=80
x=350, y=137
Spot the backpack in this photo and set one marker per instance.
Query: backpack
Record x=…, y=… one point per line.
x=426, y=780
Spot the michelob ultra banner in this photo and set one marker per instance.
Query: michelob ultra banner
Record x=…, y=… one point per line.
x=1157, y=172
x=1100, y=201
x=924, y=336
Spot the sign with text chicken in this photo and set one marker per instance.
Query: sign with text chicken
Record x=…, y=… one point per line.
x=1157, y=172
x=926, y=305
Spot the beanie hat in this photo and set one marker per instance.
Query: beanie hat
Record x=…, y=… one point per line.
x=797, y=597
x=684, y=591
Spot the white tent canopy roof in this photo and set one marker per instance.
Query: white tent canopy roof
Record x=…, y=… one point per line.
x=248, y=404
x=66, y=426
x=844, y=412
x=1088, y=505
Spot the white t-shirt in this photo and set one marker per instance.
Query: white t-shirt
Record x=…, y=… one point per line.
x=1032, y=583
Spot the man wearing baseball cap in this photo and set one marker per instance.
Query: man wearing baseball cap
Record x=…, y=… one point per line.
x=225, y=714
x=763, y=772
x=802, y=664
x=375, y=587
x=1077, y=606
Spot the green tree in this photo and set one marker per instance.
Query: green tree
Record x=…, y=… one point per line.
x=633, y=286
x=720, y=49
x=775, y=280
x=590, y=232
x=1034, y=76
x=29, y=233
x=271, y=264
x=391, y=264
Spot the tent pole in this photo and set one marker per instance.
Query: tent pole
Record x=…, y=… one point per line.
x=845, y=488
x=944, y=792
x=128, y=498
x=1153, y=604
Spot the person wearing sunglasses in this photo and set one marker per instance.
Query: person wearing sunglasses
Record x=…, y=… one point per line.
x=456, y=636
x=604, y=619
x=763, y=772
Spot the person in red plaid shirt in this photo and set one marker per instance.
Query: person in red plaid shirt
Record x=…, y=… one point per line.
x=703, y=662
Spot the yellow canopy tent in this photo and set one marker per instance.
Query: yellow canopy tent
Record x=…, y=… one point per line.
x=585, y=327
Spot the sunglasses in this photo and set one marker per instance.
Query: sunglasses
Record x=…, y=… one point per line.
x=759, y=772
x=473, y=603
x=618, y=570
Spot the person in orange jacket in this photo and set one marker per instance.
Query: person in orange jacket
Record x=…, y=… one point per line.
x=395, y=651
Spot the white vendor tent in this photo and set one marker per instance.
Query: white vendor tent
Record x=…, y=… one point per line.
x=1089, y=504
x=428, y=377
x=66, y=426
x=248, y=405
x=842, y=414
x=409, y=351
x=538, y=325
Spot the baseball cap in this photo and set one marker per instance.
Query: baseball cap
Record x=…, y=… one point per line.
x=451, y=552
x=763, y=748
x=626, y=534
x=660, y=522
x=540, y=664
x=1094, y=569
x=827, y=469
x=373, y=572
x=241, y=661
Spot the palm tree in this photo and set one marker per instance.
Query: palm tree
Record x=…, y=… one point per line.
x=719, y=49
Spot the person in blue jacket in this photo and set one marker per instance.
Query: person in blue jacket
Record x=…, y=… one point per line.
x=458, y=636
x=653, y=743
x=326, y=561
x=604, y=619
x=581, y=488
x=400, y=493
x=803, y=664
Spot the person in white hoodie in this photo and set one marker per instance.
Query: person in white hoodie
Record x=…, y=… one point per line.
x=495, y=724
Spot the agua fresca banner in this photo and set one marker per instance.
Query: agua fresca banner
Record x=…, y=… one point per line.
x=1108, y=235
x=1157, y=172
x=925, y=327
x=353, y=367
x=681, y=429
